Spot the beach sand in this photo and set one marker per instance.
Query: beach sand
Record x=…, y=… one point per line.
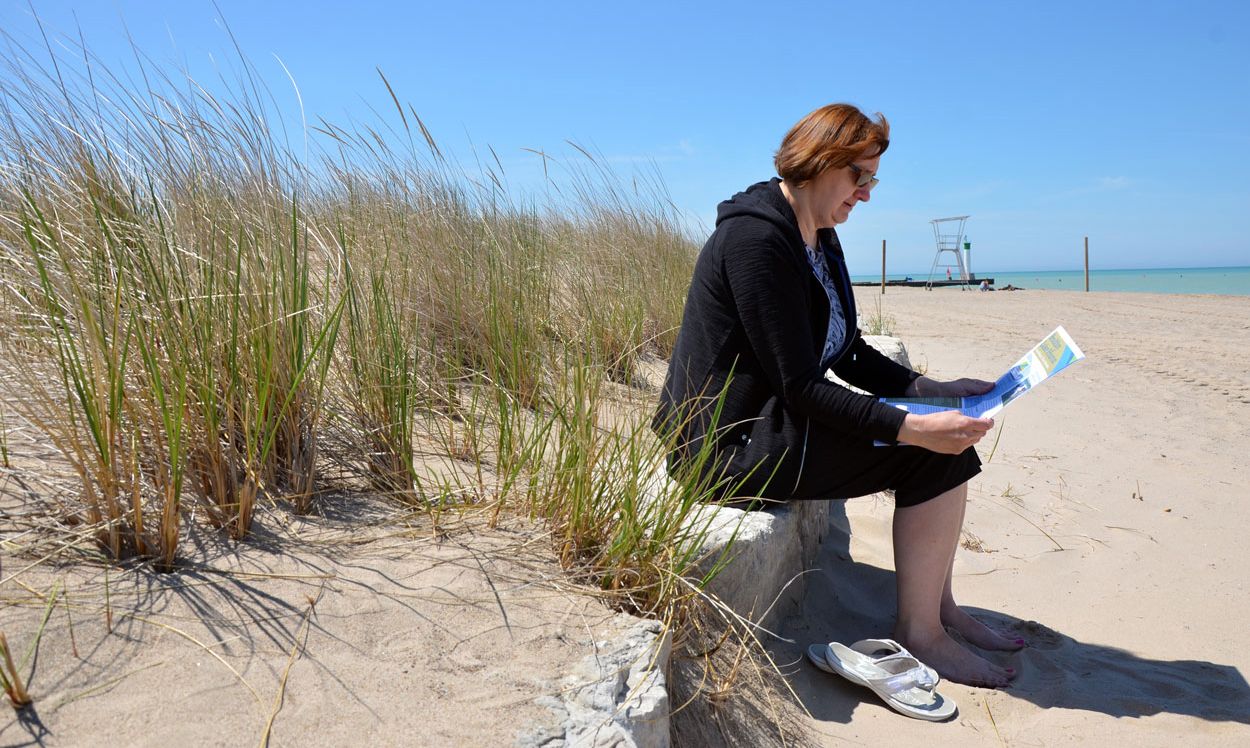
x=327, y=632
x=1109, y=528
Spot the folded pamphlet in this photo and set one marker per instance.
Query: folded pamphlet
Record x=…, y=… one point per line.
x=1056, y=352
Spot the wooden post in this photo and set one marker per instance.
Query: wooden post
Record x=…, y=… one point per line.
x=883, y=266
x=1087, y=264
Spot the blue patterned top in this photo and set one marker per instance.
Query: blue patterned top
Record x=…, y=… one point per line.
x=837, y=319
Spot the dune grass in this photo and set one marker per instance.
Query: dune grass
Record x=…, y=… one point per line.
x=879, y=322
x=10, y=679
x=205, y=324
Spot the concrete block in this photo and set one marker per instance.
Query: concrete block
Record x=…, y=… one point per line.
x=892, y=348
x=764, y=579
x=615, y=698
x=771, y=548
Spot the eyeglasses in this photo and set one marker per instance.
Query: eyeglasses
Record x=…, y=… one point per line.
x=863, y=178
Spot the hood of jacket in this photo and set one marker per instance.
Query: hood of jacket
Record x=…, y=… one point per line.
x=766, y=201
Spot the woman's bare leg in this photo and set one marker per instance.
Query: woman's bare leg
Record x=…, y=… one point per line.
x=925, y=538
x=972, y=630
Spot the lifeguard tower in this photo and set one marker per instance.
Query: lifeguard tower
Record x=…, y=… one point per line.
x=948, y=234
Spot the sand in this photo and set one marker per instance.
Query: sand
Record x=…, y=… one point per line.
x=309, y=633
x=1109, y=528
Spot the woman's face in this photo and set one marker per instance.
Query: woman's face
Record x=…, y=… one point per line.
x=835, y=192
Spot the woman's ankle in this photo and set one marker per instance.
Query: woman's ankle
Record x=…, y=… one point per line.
x=918, y=633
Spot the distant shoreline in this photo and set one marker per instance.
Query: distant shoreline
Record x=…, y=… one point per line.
x=1224, y=281
x=919, y=273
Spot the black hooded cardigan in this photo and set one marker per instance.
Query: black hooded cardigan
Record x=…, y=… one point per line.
x=749, y=347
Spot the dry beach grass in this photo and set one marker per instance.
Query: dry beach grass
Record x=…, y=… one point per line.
x=215, y=353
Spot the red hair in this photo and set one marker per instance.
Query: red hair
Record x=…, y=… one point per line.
x=829, y=138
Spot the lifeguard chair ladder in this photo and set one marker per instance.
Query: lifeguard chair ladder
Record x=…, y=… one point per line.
x=948, y=234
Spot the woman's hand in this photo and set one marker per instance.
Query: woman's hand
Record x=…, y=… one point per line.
x=949, y=432
x=925, y=387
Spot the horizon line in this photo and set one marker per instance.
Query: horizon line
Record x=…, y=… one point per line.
x=1070, y=270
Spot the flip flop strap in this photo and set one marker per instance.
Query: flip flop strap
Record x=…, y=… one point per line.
x=868, y=646
x=917, y=677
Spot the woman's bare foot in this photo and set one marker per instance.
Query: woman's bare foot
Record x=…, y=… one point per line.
x=977, y=633
x=954, y=663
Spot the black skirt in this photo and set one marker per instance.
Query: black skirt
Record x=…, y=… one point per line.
x=841, y=466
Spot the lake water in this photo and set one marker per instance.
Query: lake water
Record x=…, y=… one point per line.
x=1233, y=281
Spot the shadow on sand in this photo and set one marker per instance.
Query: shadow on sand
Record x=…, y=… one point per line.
x=248, y=607
x=848, y=601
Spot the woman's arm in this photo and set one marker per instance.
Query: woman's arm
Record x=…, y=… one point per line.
x=871, y=370
x=949, y=432
x=926, y=387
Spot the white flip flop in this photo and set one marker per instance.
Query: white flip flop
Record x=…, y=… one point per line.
x=904, y=683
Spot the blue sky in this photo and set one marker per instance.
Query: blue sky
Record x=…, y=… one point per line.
x=1128, y=122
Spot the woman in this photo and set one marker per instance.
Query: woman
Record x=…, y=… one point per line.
x=769, y=310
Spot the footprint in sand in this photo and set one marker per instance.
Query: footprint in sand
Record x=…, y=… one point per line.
x=1038, y=636
x=1042, y=666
